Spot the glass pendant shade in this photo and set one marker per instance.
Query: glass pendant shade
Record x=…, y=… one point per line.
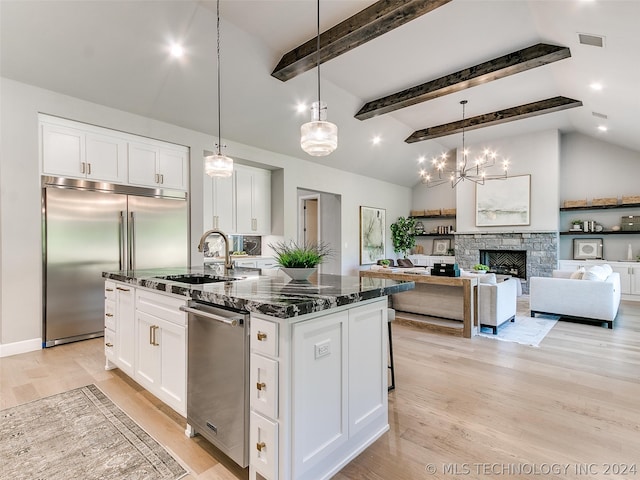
x=218, y=165
x=319, y=137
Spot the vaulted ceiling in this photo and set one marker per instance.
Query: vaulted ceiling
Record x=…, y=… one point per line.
x=115, y=53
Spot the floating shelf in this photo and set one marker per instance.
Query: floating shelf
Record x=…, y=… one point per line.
x=435, y=216
x=599, y=207
x=435, y=235
x=608, y=232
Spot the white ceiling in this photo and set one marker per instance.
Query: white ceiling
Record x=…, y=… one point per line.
x=115, y=53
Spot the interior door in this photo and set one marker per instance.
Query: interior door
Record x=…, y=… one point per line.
x=158, y=232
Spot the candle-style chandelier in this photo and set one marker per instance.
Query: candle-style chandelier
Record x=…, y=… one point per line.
x=474, y=171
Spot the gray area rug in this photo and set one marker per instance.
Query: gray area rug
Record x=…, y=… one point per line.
x=79, y=434
x=525, y=330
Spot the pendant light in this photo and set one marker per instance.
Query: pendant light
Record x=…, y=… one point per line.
x=218, y=165
x=318, y=137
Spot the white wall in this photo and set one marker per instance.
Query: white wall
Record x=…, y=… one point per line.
x=537, y=154
x=20, y=213
x=591, y=168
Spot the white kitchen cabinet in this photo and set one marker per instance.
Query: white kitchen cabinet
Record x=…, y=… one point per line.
x=119, y=326
x=318, y=391
x=635, y=281
x=72, y=152
x=253, y=200
x=249, y=263
x=222, y=203
x=161, y=348
x=157, y=165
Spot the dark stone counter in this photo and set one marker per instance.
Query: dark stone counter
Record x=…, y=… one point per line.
x=269, y=292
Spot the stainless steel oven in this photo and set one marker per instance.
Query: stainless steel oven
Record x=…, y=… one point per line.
x=218, y=378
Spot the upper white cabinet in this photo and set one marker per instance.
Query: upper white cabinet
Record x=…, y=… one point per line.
x=73, y=152
x=153, y=165
x=222, y=214
x=74, y=149
x=253, y=200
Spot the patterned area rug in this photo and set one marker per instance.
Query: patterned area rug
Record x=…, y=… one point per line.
x=525, y=330
x=79, y=434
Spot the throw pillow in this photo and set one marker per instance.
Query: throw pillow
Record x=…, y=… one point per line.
x=489, y=278
x=595, y=274
x=578, y=274
x=607, y=268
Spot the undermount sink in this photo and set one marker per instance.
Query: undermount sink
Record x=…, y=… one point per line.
x=197, y=278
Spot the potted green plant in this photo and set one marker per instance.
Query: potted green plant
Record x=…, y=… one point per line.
x=576, y=224
x=480, y=268
x=299, y=261
x=385, y=262
x=403, y=235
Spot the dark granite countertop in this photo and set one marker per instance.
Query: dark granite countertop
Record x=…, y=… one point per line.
x=271, y=292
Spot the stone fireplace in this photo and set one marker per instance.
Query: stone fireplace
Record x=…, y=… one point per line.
x=539, y=250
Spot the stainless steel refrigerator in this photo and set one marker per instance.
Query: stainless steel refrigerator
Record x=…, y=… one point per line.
x=91, y=227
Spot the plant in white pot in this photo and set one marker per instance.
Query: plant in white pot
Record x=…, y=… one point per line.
x=299, y=261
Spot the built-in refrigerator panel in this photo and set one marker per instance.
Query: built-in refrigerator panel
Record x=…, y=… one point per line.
x=82, y=239
x=158, y=231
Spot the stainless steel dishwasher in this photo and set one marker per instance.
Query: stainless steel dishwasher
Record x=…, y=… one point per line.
x=218, y=378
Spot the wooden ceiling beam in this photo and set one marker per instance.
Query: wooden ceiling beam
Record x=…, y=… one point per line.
x=542, y=107
x=375, y=20
x=510, y=64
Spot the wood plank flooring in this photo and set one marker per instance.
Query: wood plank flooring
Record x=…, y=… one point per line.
x=462, y=408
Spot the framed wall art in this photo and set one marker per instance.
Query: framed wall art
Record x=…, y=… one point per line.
x=587, y=248
x=441, y=246
x=372, y=235
x=504, y=202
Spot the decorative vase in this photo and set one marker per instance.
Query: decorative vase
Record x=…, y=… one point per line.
x=297, y=274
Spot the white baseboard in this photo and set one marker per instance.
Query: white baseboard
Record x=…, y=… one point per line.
x=8, y=349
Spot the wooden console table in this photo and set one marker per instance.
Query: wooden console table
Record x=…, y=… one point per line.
x=469, y=291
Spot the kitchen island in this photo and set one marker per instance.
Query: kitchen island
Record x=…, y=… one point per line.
x=317, y=393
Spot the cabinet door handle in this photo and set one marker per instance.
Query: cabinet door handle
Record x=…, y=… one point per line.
x=155, y=329
x=261, y=446
x=122, y=289
x=155, y=178
x=88, y=169
x=261, y=336
x=108, y=314
x=261, y=385
x=161, y=178
x=108, y=344
x=82, y=167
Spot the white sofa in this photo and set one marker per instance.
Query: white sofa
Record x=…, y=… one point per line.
x=589, y=298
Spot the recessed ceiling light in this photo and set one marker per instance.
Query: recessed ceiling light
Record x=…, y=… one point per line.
x=421, y=159
x=376, y=140
x=177, y=50
x=301, y=107
x=596, y=86
x=602, y=128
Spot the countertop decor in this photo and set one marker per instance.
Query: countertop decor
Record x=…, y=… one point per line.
x=271, y=292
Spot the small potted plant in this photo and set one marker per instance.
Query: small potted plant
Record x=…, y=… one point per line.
x=576, y=224
x=480, y=268
x=385, y=263
x=299, y=261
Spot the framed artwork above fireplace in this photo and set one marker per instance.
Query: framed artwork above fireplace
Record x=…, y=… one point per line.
x=504, y=202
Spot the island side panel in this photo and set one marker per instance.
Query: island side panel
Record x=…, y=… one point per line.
x=332, y=389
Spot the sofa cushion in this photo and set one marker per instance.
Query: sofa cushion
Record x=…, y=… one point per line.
x=607, y=269
x=578, y=274
x=489, y=278
x=595, y=274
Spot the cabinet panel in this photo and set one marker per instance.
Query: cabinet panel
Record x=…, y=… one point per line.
x=147, y=366
x=223, y=199
x=264, y=337
x=172, y=168
x=63, y=150
x=625, y=277
x=106, y=158
x=125, y=328
x=367, y=349
x=143, y=160
x=244, y=212
x=320, y=379
x=261, y=202
x=263, y=446
x=109, y=344
x=635, y=281
x=173, y=364
x=263, y=386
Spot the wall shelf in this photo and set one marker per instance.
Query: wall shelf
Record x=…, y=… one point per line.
x=608, y=232
x=600, y=207
x=434, y=235
x=434, y=216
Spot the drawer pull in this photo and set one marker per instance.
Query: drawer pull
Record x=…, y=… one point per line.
x=122, y=289
x=109, y=289
x=262, y=336
x=261, y=385
x=109, y=344
x=261, y=446
x=108, y=314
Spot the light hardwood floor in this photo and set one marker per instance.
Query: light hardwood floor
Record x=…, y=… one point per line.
x=464, y=408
